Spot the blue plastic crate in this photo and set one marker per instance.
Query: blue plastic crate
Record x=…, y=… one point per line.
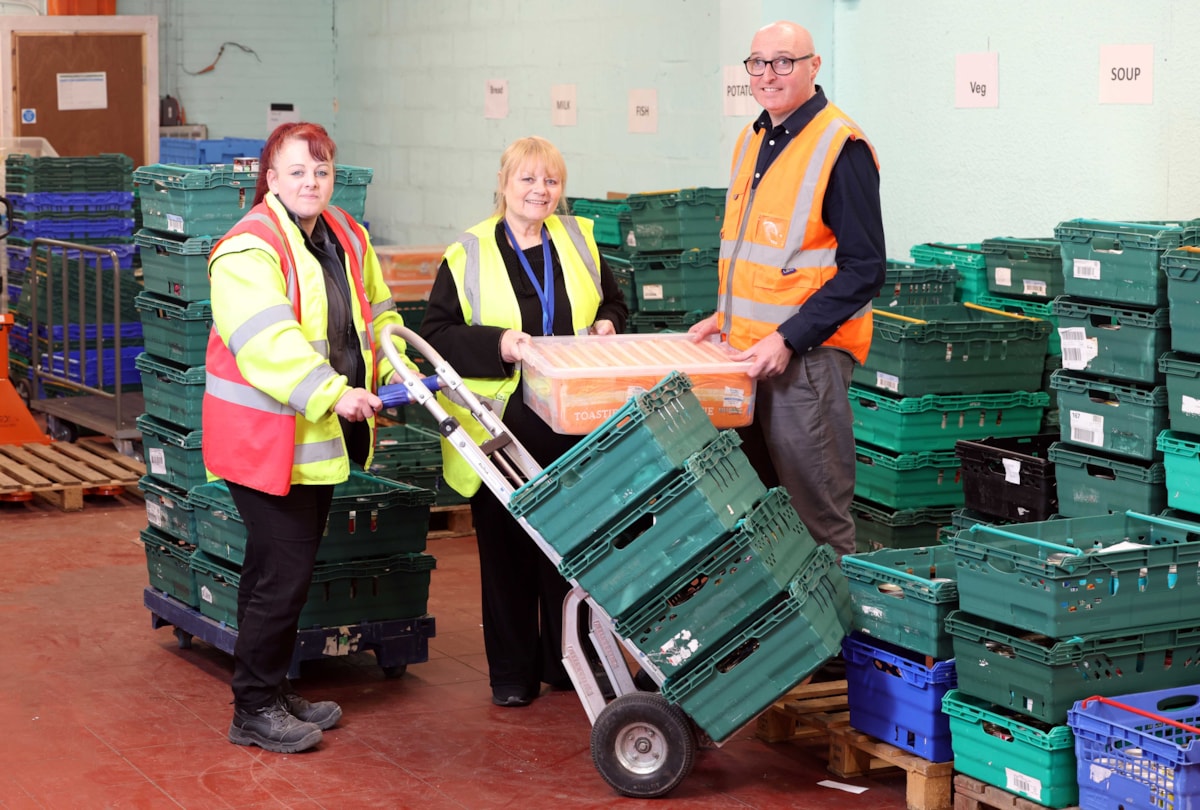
x=71, y=202
x=1126, y=759
x=232, y=148
x=894, y=696
x=129, y=331
x=187, y=152
x=72, y=228
x=92, y=369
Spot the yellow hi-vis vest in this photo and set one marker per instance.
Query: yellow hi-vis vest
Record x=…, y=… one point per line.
x=487, y=299
x=775, y=249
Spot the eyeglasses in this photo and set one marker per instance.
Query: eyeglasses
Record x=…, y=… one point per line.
x=782, y=65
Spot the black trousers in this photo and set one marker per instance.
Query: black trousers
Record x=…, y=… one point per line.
x=522, y=599
x=283, y=534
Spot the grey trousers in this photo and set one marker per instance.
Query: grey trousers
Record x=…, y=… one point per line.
x=802, y=439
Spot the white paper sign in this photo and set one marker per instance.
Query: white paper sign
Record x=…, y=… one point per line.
x=281, y=114
x=1012, y=471
x=1126, y=74
x=83, y=91
x=737, y=99
x=495, y=100
x=977, y=79
x=562, y=105
x=643, y=111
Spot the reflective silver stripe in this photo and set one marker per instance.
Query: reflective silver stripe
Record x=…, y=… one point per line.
x=776, y=313
x=581, y=247
x=312, y=452
x=806, y=196
x=364, y=339
x=355, y=242
x=279, y=313
x=726, y=303
x=387, y=305
x=746, y=141
x=246, y=396
x=321, y=347
x=784, y=257
x=470, y=243
x=300, y=395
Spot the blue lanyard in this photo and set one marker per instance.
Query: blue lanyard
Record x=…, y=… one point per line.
x=545, y=290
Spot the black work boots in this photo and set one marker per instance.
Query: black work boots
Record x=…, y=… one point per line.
x=274, y=728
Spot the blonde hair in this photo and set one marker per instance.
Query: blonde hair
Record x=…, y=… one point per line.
x=536, y=151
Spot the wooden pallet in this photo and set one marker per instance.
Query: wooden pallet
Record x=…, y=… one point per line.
x=972, y=794
x=63, y=472
x=852, y=753
x=450, y=521
x=805, y=714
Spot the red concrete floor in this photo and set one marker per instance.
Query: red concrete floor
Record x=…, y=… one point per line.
x=98, y=710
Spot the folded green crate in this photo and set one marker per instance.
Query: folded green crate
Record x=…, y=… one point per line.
x=1182, y=268
x=174, y=329
x=1182, y=373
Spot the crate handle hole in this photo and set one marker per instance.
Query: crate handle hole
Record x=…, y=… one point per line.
x=1176, y=702
x=748, y=648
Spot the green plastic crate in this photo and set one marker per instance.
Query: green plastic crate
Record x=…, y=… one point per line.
x=712, y=598
x=1116, y=417
x=366, y=590
x=1041, y=676
x=647, y=322
x=172, y=393
x=1109, y=340
x=968, y=259
x=877, y=526
x=902, y=596
x=633, y=558
x=1030, y=309
x=1024, y=756
x=647, y=439
x=909, y=284
x=953, y=349
x=407, y=446
x=1023, y=267
x=937, y=421
x=622, y=270
x=761, y=663
x=168, y=563
x=174, y=329
x=1079, y=575
x=680, y=289
x=1182, y=267
x=175, y=266
x=676, y=220
x=1117, y=261
x=168, y=509
x=907, y=480
x=209, y=200
x=1182, y=469
x=1094, y=483
x=613, y=223
x=369, y=517
x=172, y=454
x=1182, y=373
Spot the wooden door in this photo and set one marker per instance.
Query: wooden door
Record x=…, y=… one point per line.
x=83, y=92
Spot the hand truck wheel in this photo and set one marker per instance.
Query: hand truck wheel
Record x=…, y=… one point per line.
x=643, y=745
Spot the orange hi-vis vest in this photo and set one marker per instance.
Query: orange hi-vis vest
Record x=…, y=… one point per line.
x=249, y=437
x=775, y=249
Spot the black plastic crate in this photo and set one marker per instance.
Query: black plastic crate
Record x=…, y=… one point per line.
x=1010, y=478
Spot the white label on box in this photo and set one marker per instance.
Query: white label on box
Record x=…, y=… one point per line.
x=1191, y=405
x=1003, y=276
x=888, y=382
x=1017, y=782
x=206, y=594
x=155, y=514
x=1033, y=286
x=175, y=223
x=1012, y=470
x=1087, y=268
x=158, y=461
x=872, y=611
x=652, y=292
x=1077, y=348
x=1087, y=428
x=734, y=398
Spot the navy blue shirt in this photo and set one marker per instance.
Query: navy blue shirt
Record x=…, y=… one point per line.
x=852, y=211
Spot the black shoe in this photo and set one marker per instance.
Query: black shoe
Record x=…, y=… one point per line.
x=324, y=714
x=273, y=728
x=510, y=698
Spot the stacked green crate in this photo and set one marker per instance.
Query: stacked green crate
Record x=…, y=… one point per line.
x=1114, y=324
x=967, y=259
x=1180, y=444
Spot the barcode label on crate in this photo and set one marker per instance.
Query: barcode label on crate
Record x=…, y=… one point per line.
x=1017, y=782
x=1077, y=348
x=1033, y=286
x=175, y=223
x=1086, y=268
x=1190, y=405
x=1087, y=428
x=1003, y=276
x=652, y=292
x=158, y=461
x=1012, y=471
x=888, y=382
x=155, y=514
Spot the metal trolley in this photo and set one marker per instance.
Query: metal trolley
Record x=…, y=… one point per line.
x=642, y=743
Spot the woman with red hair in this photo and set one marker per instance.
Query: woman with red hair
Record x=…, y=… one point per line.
x=298, y=302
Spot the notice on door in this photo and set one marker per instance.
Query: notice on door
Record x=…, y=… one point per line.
x=83, y=91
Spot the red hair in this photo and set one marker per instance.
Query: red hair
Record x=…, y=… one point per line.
x=320, y=146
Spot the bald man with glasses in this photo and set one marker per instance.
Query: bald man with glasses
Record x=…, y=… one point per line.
x=802, y=258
